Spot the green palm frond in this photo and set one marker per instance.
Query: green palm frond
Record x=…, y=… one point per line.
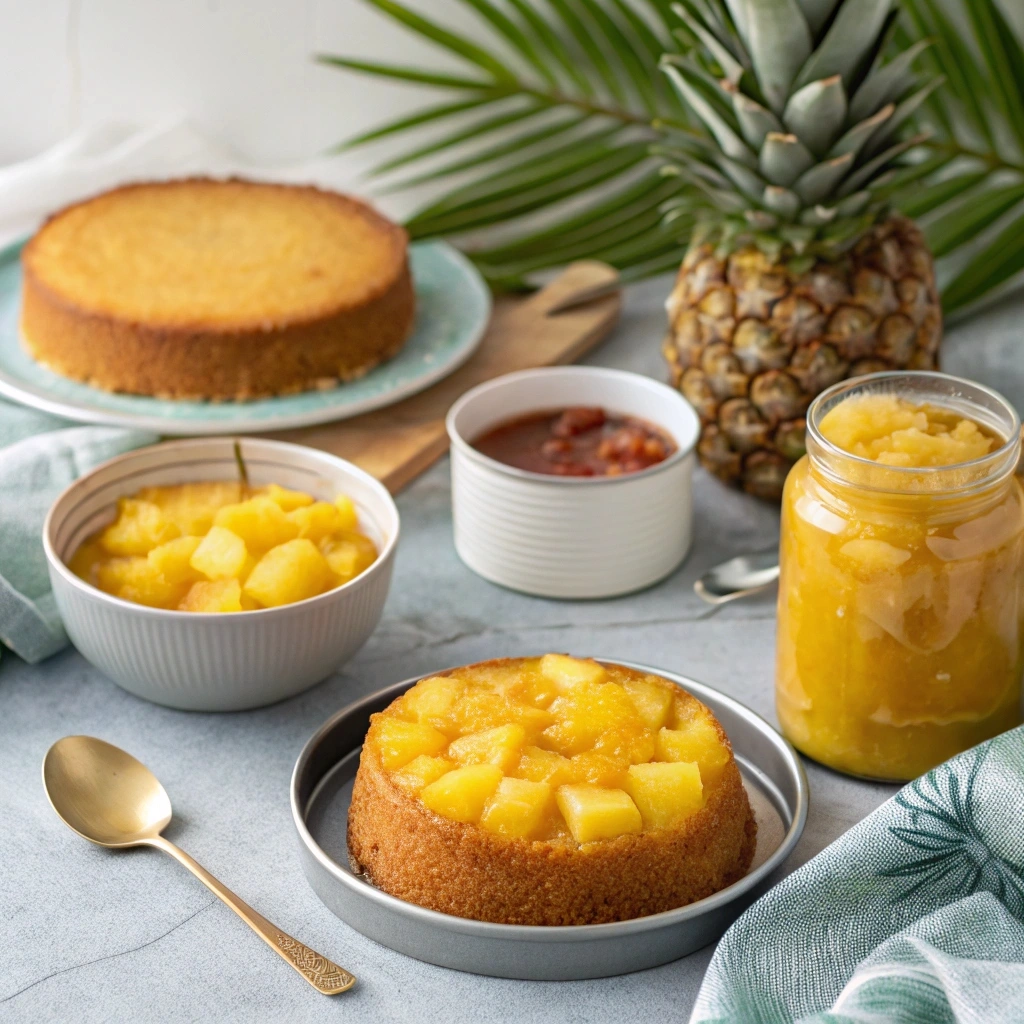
x=543, y=138
x=554, y=132
x=971, y=202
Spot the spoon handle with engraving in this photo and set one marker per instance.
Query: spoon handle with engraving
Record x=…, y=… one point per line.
x=324, y=975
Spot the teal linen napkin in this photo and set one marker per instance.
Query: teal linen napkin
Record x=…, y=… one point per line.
x=39, y=456
x=914, y=916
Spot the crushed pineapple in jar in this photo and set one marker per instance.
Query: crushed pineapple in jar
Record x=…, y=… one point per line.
x=223, y=546
x=893, y=431
x=901, y=600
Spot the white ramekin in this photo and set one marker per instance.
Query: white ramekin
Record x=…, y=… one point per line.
x=218, y=662
x=571, y=537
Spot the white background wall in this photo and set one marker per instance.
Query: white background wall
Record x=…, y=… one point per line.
x=242, y=69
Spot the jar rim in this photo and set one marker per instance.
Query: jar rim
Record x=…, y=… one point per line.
x=1006, y=452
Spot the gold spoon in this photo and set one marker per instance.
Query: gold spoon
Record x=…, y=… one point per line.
x=106, y=796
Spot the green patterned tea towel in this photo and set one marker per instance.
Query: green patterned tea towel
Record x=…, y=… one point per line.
x=39, y=456
x=914, y=916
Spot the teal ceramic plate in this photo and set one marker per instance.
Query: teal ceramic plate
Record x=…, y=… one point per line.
x=453, y=305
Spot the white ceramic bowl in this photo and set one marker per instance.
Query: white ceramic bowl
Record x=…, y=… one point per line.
x=571, y=537
x=211, y=662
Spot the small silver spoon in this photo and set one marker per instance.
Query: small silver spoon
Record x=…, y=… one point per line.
x=739, y=577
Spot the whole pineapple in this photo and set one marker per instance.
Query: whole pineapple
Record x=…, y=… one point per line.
x=798, y=274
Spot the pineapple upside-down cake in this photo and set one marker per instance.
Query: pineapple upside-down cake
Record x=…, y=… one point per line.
x=549, y=791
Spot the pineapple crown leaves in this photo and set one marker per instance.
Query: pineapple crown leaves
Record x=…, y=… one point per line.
x=803, y=119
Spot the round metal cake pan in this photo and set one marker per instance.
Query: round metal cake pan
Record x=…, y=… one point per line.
x=320, y=787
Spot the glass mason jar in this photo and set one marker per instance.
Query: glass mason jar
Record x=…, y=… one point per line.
x=901, y=595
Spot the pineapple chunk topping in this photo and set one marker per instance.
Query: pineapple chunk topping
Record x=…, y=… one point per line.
x=277, y=546
x=566, y=672
x=698, y=741
x=665, y=793
x=461, y=794
x=399, y=742
x=499, y=746
x=516, y=808
x=494, y=745
x=651, y=700
x=585, y=714
x=595, y=813
x=597, y=769
x=421, y=771
x=431, y=700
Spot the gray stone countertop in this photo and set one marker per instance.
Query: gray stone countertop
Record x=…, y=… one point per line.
x=96, y=936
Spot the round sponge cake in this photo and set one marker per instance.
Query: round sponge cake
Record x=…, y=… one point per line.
x=202, y=288
x=549, y=791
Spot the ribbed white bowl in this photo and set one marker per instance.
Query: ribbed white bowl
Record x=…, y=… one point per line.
x=571, y=537
x=218, y=662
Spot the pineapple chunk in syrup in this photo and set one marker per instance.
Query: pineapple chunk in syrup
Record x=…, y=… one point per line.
x=140, y=526
x=276, y=545
x=134, y=579
x=317, y=521
x=598, y=761
x=173, y=560
x=213, y=596
x=260, y=522
x=289, y=572
x=541, y=765
x=221, y=554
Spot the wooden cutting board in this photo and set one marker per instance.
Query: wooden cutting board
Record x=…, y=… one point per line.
x=398, y=443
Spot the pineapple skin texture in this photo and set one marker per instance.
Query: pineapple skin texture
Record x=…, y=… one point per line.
x=750, y=344
x=453, y=838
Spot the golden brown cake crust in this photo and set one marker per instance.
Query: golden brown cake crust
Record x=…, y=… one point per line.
x=459, y=869
x=310, y=339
